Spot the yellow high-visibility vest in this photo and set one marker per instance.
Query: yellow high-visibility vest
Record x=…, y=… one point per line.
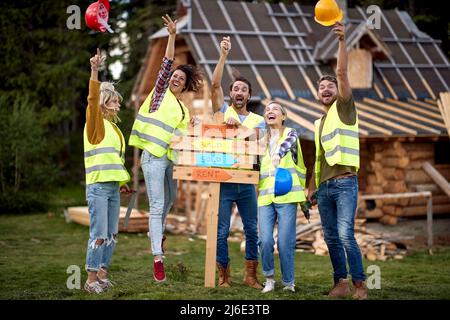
x=152, y=131
x=339, y=141
x=267, y=176
x=251, y=121
x=105, y=161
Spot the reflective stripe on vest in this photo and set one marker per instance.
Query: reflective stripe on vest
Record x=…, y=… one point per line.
x=267, y=176
x=339, y=141
x=152, y=131
x=105, y=161
x=251, y=121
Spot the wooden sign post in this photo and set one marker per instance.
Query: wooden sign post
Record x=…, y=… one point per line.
x=216, y=154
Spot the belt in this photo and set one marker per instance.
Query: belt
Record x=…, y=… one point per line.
x=342, y=176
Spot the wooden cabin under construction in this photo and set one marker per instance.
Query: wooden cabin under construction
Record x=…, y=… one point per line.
x=397, y=74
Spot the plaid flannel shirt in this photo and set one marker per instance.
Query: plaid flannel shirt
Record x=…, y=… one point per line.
x=162, y=83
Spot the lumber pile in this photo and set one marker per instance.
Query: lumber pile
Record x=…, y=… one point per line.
x=374, y=245
x=137, y=222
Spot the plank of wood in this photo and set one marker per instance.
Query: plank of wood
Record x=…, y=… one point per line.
x=218, y=145
x=432, y=114
x=422, y=210
x=362, y=122
x=403, y=112
x=298, y=119
x=216, y=175
x=437, y=177
x=263, y=86
x=387, y=84
x=378, y=91
x=428, y=87
x=220, y=130
x=395, y=195
x=389, y=123
x=212, y=216
x=429, y=106
x=430, y=101
x=207, y=159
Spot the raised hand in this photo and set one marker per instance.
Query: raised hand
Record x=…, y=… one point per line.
x=97, y=60
x=339, y=30
x=170, y=25
x=276, y=160
x=232, y=122
x=225, y=45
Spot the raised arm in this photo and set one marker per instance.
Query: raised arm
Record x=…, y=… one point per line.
x=95, y=129
x=172, y=29
x=345, y=92
x=216, y=83
x=162, y=81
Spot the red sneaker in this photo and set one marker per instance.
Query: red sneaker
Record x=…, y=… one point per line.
x=158, y=271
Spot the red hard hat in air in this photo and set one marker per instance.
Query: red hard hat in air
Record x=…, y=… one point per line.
x=97, y=15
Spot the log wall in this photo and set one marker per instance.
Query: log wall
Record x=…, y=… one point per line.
x=396, y=167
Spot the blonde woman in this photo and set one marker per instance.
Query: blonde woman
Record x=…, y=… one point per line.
x=283, y=151
x=106, y=176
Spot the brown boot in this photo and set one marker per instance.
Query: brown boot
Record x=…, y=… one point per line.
x=340, y=289
x=360, y=290
x=224, y=275
x=250, y=274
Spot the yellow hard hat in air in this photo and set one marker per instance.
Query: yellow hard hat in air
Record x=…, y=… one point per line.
x=327, y=12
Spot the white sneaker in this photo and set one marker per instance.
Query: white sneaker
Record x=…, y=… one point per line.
x=269, y=285
x=93, y=287
x=106, y=284
x=290, y=288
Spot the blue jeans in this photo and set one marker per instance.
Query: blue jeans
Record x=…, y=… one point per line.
x=103, y=200
x=245, y=197
x=286, y=214
x=337, y=199
x=161, y=191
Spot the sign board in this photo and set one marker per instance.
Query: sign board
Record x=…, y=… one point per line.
x=217, y=154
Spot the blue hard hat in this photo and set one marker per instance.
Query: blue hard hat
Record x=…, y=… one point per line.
x=283, y=182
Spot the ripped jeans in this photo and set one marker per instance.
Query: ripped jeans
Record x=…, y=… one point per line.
x=103, y=199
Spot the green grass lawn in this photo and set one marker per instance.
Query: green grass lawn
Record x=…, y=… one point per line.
x=36, y=251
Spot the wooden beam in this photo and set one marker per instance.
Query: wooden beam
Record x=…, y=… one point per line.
x=362, y=122
x=406, y=113
x=428, y=106
x=287, y=87
x=387, y=84
x=263, y=86
x=217, y=145
x=298, y=108
x=416, y=108
x=437, y=177
x=313, y=113
x=298, y=119
x=189, y=158
x=433, y=102
x=215, y=175
x=378, y=91
x=428, y=87
x=382, y=120
x=423, y=194
x=212, y=216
